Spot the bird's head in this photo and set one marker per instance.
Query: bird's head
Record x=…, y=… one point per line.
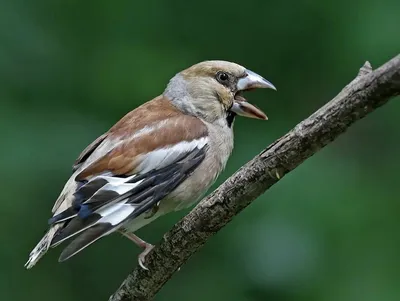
x=212, y=90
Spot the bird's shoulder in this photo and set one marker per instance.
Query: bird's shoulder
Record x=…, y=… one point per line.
x=157, y=109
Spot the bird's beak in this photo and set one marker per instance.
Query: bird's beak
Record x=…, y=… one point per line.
x=243, y=108
x=253, y=81
x=249, y=82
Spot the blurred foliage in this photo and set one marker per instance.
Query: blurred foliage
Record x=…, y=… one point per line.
x=70, y=69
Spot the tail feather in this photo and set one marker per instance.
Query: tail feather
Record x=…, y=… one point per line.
x=73, y=228
x=42, y=247
x=63, y=216
x=88, y=237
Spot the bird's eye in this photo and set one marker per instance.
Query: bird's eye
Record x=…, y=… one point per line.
x=222, y=77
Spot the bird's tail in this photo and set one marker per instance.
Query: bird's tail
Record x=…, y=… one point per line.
x=42, y=247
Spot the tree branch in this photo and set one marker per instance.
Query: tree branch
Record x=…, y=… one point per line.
x=368, y=91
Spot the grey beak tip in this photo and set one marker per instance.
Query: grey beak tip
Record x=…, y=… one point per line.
x=270, y=85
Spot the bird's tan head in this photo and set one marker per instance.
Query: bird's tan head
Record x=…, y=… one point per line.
x=212, y=90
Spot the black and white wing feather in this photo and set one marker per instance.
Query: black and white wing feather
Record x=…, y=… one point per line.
x=123, y=174
x=105, y=203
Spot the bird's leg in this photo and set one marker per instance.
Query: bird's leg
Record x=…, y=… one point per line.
x=132, y=237
x=142, y=256
x=142, y=244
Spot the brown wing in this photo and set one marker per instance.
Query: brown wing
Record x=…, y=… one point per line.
x=140, y=163
x=132, y=122
x=130, y=151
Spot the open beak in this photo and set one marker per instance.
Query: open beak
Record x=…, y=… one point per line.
x=249, y=82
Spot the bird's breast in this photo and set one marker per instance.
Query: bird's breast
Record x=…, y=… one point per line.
x=219, y=149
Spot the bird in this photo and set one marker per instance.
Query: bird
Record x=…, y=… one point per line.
x=160, y=157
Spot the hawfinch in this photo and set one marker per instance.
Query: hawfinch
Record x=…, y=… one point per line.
x=158, y=158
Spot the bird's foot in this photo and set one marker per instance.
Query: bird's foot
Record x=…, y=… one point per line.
x=142, y=244
x=142, y=256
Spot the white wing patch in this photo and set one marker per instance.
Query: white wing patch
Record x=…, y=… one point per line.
x=162, y=157
x=116, y=213
x=119, y=188
x=148, y=129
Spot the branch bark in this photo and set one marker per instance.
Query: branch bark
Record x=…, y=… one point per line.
x=368, y=91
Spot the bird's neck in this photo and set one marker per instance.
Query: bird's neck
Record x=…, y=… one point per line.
x=179, y=96
x=202, y=106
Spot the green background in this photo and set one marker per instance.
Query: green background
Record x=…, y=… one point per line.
x=70, y=69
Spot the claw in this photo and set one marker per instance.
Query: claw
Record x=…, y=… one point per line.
x=142, y=256
x=141, y=263
x=275, y=173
